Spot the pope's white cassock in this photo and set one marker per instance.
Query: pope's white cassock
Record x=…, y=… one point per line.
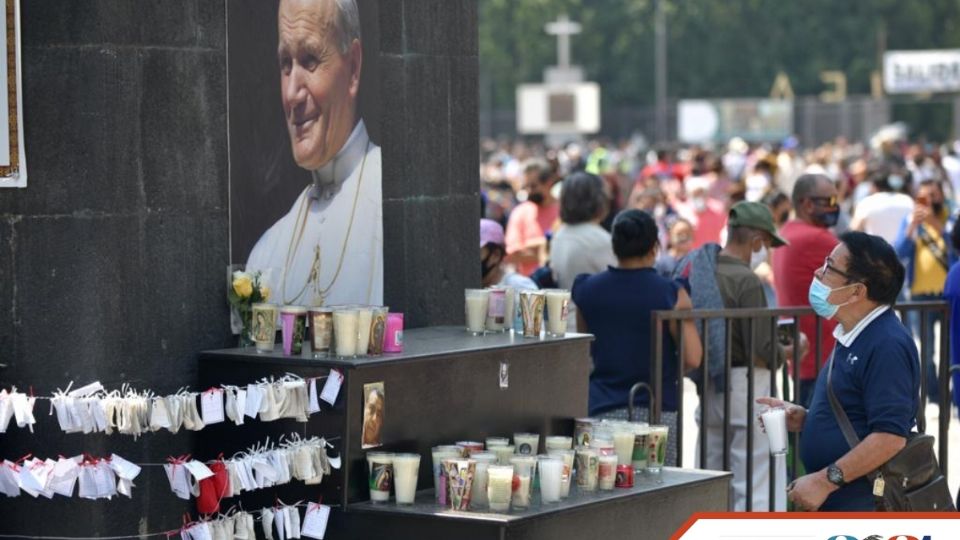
x=302, y=251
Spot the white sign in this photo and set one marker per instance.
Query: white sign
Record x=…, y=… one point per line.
x=719, y=120
x=906, y=72
x=558, y=108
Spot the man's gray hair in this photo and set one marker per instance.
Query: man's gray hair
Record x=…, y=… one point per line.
x=348, y=24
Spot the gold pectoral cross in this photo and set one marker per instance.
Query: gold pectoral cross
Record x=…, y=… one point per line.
x=318, y=295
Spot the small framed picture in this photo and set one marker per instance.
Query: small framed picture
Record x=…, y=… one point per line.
x=374, y=402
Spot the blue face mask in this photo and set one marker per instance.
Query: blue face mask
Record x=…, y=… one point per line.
x=818, y=295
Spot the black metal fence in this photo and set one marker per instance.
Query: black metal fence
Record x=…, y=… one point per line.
x=757, y=317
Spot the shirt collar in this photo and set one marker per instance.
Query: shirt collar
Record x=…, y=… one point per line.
x=328, y=179
x=847, y=339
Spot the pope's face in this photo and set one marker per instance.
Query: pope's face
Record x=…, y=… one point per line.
x=318, y=84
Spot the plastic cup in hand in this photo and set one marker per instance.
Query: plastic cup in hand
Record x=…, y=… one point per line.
x=406, y=467
x=551, y=478
x=775, y=423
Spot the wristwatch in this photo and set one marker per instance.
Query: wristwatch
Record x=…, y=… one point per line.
x=835, y=475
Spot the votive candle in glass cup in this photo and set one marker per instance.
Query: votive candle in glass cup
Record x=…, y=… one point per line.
x=657, y=448
x=583, y=431
x=624, y=438
x=381, y=475
x=526, y=443
x=531, y=312
x=775, y=424
x=640, y=448
x=558, y=442
x=551, y=477
x=321, y=331
x=499, y=487
x=476, y=302
x=460, y=474
x=264, y=326
x=293, y=327
x=480, y=479
x=364, y=320
x=345, y=331
x=467, y=448
x=496, y=310
x=588, y=468
x=440, y=453
x=524, y=468
x=604, y=447
x=607, y=472
x=558, y=301
x=497, y=441
x=504, y=453
x=566, y=478
x=393, y=340
x=406, y=467
x=378, y=329
x=509, y=307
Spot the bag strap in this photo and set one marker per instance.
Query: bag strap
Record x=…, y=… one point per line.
x=846, y=427
x=934, y=247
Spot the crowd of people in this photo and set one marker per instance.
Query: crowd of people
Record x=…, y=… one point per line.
x=631, y=231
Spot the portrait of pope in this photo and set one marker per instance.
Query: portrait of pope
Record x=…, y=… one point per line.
x=328, y=247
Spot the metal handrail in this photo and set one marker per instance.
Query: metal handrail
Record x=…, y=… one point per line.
x=631, y=408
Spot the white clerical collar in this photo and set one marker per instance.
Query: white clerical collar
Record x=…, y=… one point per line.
x=328, y=179
x=847, y=339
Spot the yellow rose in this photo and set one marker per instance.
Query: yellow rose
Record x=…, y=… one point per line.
x=243, y=286
x=264, y=292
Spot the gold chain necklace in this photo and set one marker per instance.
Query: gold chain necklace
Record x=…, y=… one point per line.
x=314, y=277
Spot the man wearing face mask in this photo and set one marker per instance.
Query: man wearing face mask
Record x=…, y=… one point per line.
x=816, y=208
x=492, y=255
x=882, y=212
x=875, y=376
x=922, y=243
x=706, y=214
x=750, y=235
x=532, y=221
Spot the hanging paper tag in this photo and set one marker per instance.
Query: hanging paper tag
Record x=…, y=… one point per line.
x=29, y=482
x=106, y=481
x=254, y=398
x=177, y=476
x=211, y=406
x=88, y=483
x=315, y=521
x=198, y=469
x=878, y=486
x=312, y=404
x=278, y=522
x=241, y=397
x=124, y=468
x=331, y=389
x=87, y=390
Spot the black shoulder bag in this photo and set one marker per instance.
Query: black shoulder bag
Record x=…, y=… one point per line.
x=911, y=481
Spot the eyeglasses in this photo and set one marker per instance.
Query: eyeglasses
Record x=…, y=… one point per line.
x=826, y=201
x=827, y=266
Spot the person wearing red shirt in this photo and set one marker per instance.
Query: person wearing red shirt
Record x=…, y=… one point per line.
x=810, y=242
x=532, y=222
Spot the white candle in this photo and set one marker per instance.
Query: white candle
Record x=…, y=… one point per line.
x=478, y=495
x=345, y=331
x=566, y=475
x=557, y=300
x=556, y=442
x=406, y=467
x=476, y=301
x=607, y=472
x=499, y=486
x=623, y=445
x=551, y=471
x=364, y=318
x=526, y=443
x=588, y=466
x=521, y=496
x=775, y=422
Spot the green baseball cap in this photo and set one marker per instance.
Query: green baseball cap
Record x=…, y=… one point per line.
x=756, y=216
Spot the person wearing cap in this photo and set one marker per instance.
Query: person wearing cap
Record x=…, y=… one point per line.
x=492, y=255
x=750, y=234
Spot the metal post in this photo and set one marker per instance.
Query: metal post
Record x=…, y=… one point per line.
x=775, y=349
x=921, y=408
x=727, y=367
x=704, y=400
x=751, y=330
x=656, y=369
x=944, y=379
x=679, y=383
x=795, y=462
x=660, y=68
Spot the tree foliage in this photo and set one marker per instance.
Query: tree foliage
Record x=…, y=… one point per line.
x=716, y=48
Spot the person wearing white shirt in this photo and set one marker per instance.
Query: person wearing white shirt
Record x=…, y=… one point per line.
x=328, y=249
x=881, y=213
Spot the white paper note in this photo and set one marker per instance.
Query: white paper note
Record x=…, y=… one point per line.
x=198, y=469
x=312, y=404
x=211, y=406
x=124, y=468
x=331, y=388
x=315, y=521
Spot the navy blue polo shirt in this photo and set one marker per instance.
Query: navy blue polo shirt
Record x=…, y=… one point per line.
x=877, y=381
x=616, y=305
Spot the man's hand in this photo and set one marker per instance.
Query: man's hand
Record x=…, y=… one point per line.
x=809, y=492
x=795, y=413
